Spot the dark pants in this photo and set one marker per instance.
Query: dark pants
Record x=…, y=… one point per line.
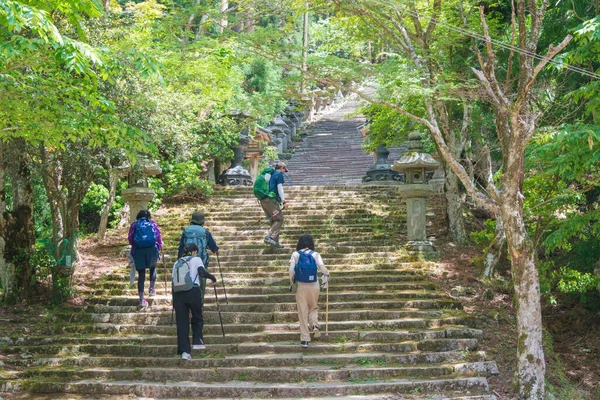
x=145, y=258
x=184, y=302
x=142, y=279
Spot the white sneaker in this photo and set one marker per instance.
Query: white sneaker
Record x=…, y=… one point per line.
x=186, y=356
x=198, y=347
x=316, y=331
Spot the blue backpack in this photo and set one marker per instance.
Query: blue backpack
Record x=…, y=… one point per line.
x=197, y=234
x=306, y=268
x=144, y=235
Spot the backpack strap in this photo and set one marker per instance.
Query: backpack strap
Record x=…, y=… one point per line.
x=189, y=258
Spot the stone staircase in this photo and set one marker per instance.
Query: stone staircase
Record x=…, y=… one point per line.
x=392, y=332
x=332, y=152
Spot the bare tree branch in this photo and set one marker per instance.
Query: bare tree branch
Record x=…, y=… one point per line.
x=512, y=44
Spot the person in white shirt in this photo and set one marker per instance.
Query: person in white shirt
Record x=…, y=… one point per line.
x=191, y=300
x=304, y=265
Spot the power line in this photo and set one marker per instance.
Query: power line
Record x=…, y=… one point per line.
x=503, y=45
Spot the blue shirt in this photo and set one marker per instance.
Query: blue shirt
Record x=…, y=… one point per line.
x=276, y=179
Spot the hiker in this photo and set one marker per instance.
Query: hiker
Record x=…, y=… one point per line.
x=146, y=242
x=274, y=203
x=198, y=234
x=187, y=297
x=304, y=265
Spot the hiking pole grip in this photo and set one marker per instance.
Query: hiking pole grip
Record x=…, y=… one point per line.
x=222, y=281
x=219, y=309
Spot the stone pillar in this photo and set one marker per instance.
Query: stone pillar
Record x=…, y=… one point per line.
x=253, y=170
x=415, y=212
x=211, y=171
x=138, y=198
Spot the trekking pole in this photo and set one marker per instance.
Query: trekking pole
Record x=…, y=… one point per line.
x=222, y=281
x=218, y=308
x=327, y=311
x=162, y=255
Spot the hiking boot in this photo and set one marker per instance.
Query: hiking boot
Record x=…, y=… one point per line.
x=200, y=346
x=270, y=240
x=186, y=356
x=316, y=331
x=143, y=303
x=304, y=344
x=152, y=292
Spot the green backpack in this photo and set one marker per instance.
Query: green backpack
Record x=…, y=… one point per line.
x=261, y=184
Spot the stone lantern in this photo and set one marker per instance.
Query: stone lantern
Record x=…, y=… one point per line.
x=138, y=194
x=416, y=167
x=236, y=174
x=381, y=172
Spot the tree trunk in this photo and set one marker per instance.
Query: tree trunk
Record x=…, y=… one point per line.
x=20, y=225
x=113, y=178
x=530, y=352
x=454, y=208
x=531, y=365
x=495, y=252
x=249, y=25
x=52, y=177
x=304, y=51
x=5, y=269
x=223, y=22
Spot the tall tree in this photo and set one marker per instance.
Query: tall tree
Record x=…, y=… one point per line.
x=515, y=117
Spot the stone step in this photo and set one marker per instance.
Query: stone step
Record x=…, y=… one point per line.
x=362, y=369
x=239, y=288
x=259, y=348
x=264, y=307
x=212, y=326
x=333, y=336
x=415, y=299
x=255, y=389
x=164, y=317
x=298, y=358
x=280, y=279
x=396, y=272
x=161, y=300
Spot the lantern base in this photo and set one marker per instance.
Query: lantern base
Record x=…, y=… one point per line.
x=422, y=248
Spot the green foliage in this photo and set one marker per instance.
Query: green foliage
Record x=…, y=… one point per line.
x=91, y=208
x=185, y=178
x=573, y=281
x=485, y=236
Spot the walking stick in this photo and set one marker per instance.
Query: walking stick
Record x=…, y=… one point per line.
x=219, y=309
x=222, y=281
x=327, y=311
x=162, y=255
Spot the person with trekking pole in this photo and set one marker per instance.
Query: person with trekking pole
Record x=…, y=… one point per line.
x=268, y=189
x=198, y=234
x=304, y=266
x=187, y=296
x=146, y=243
